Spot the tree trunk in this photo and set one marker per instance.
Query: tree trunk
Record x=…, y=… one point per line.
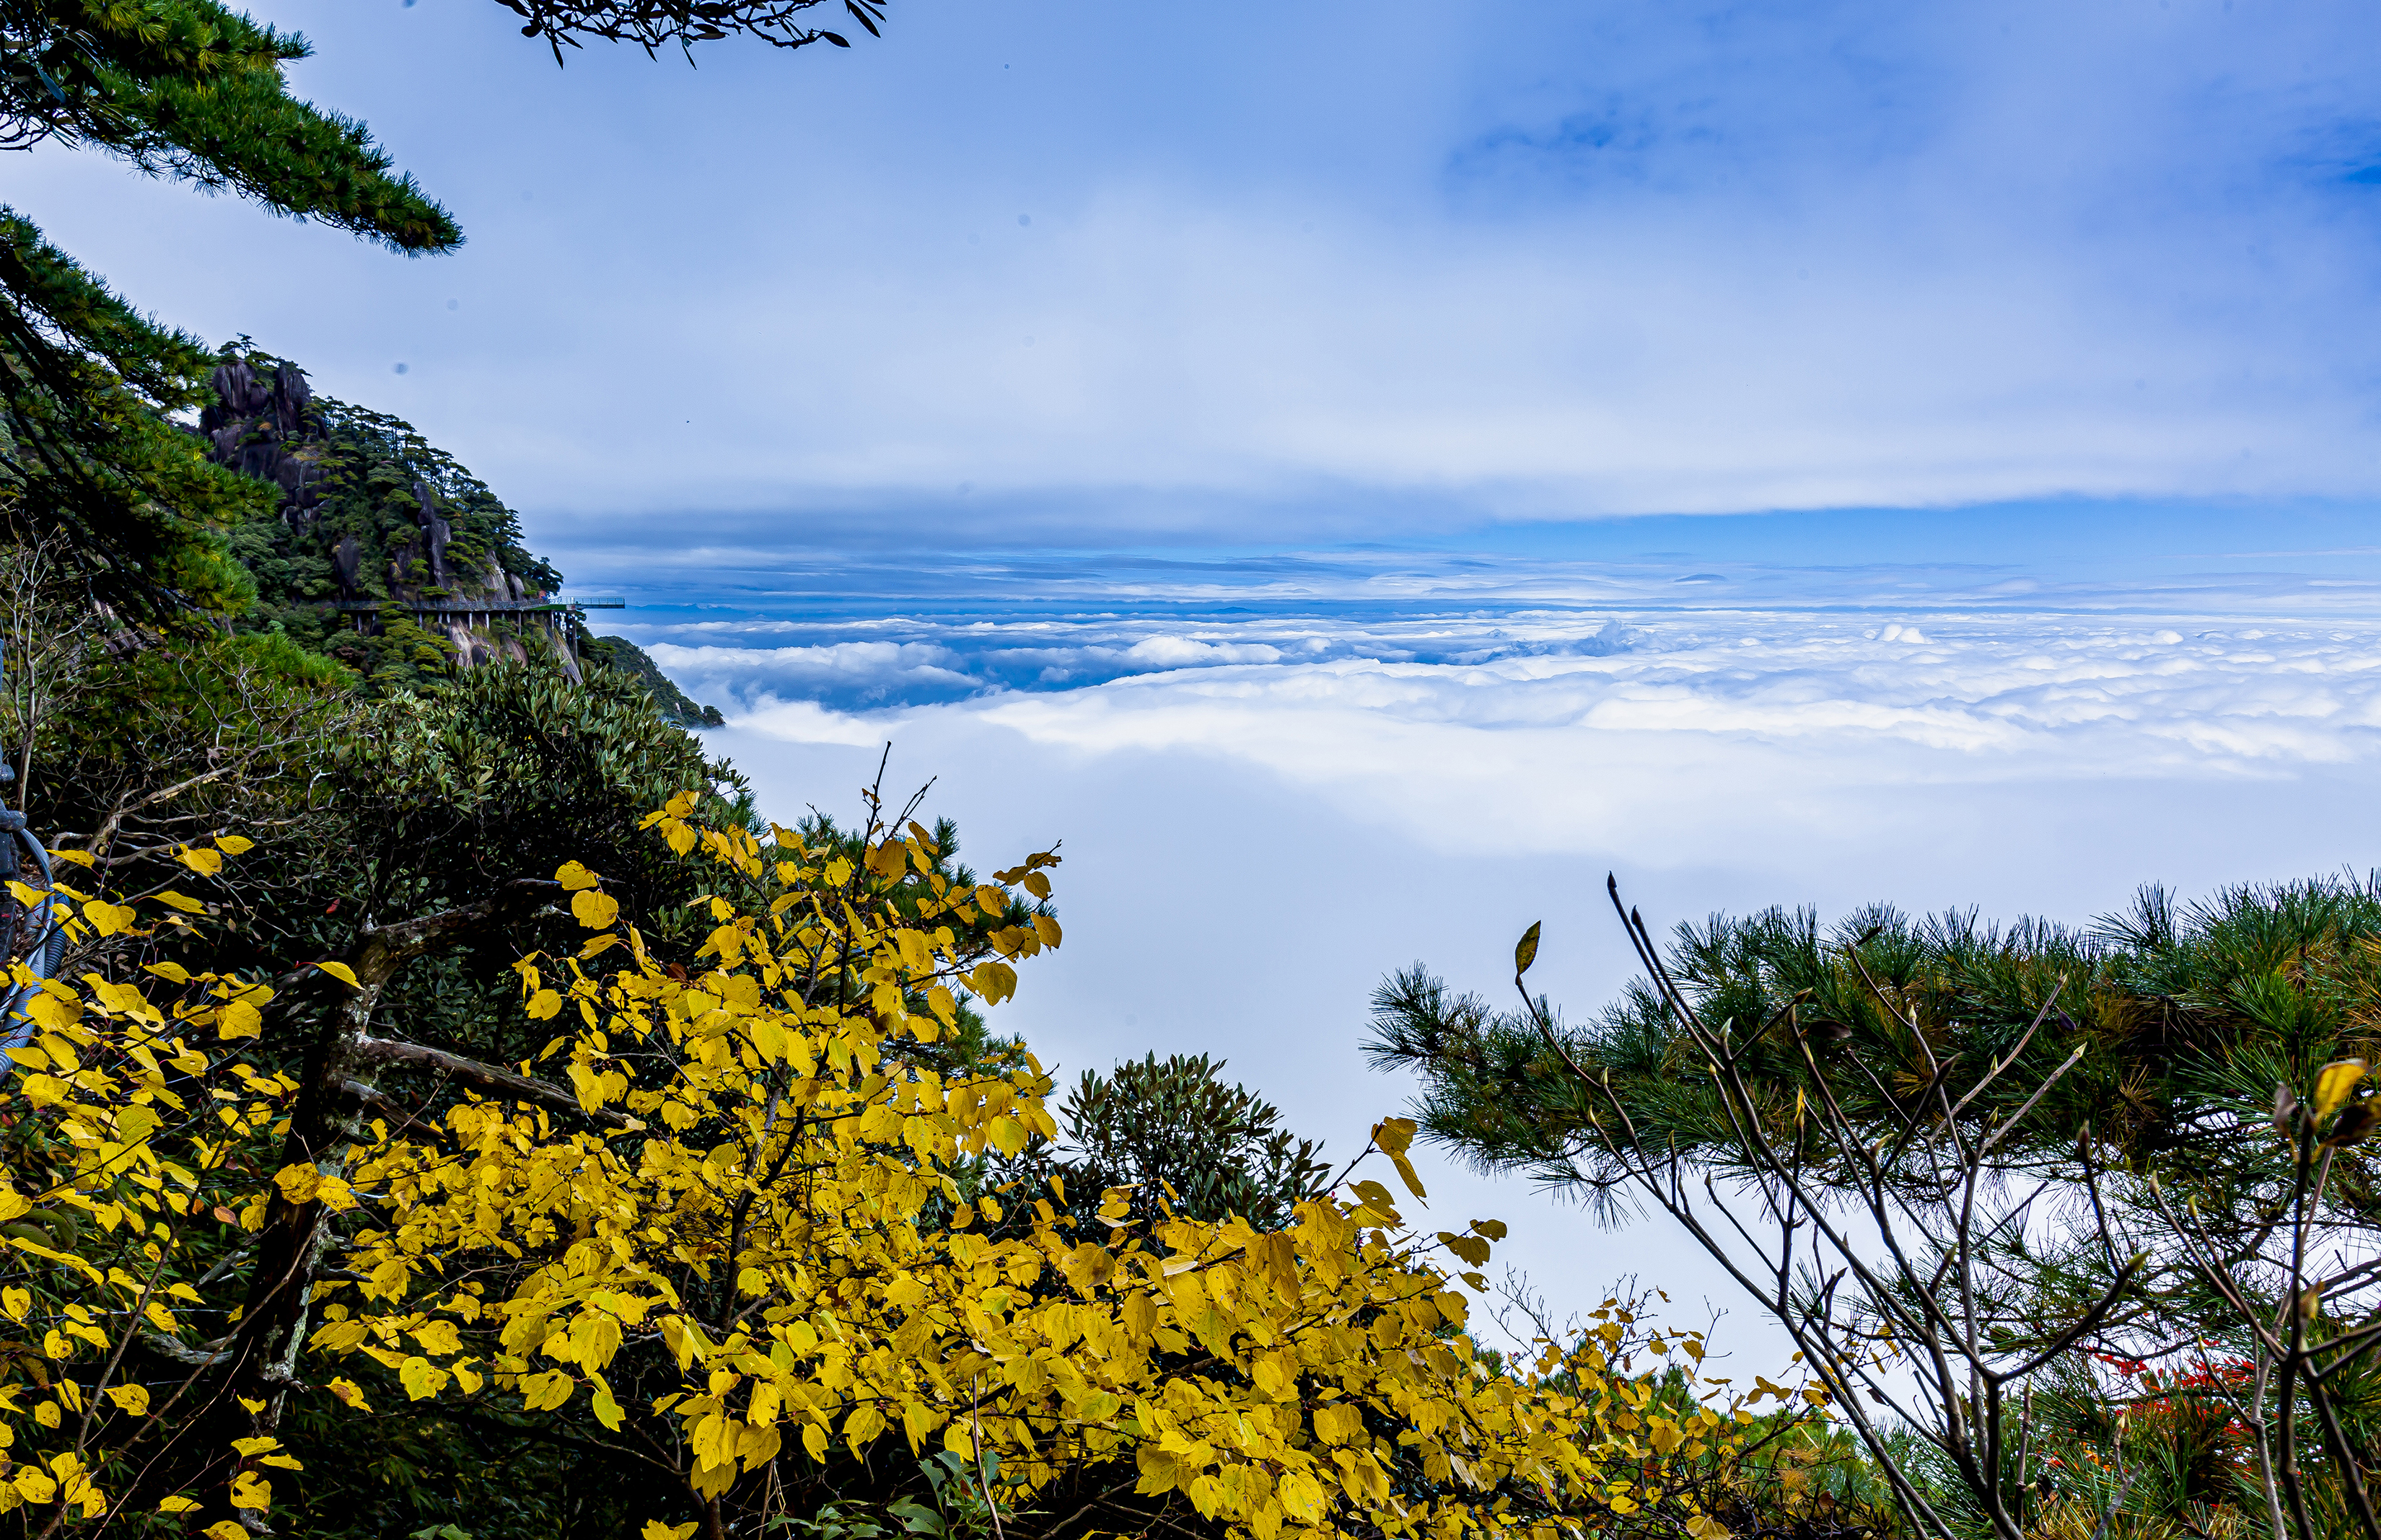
x=259, y=1361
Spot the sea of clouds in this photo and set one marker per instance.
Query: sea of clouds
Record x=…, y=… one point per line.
x=1263, y=814
x=1967, y=697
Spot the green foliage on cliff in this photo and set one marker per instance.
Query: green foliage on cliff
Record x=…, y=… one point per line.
x=371, y=520
x=623, y=655
x=362, y=467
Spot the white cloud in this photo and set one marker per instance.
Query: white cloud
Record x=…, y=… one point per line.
x=1182, y=652
x=1691, y=733
x=1249, y=848
x=861, y=673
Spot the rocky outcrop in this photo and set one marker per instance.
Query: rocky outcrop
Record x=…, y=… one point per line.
x=387, y=556
x=375, y=525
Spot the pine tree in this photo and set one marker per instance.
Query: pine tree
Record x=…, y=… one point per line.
x=1185, y=1142
x=188, y=90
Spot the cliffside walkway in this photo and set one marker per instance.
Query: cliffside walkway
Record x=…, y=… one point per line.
x=480, y=606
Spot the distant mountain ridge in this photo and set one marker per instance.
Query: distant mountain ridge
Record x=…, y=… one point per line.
x=623, y=655
x=385, y=555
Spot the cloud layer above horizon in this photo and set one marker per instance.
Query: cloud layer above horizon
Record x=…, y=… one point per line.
x=1667, y=714
x=1060, y=270
x=1252, y=844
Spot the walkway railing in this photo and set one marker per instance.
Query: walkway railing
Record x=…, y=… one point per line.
x=480, y=606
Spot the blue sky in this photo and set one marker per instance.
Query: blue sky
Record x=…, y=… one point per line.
x=1359, y=473
x=1318, y=271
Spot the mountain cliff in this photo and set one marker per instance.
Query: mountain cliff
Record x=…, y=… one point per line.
x=387, y=556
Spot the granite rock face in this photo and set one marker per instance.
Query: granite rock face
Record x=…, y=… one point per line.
x=386, y=554
x=257, y=424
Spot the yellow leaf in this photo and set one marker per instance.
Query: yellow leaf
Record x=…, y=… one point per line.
x=44, y=1090
x=133, y=1398
x=77, y=858
x=1525, y=950
x=786, y=1146
x=172, y=973
x=234, y=844
x=546, y=1391
x=1339, y=1423
x=298, y=1184
x=2333, y=1085
x=573, y=877
x=239, y=1019
x=109, y=919
x=864, y=1422
x=343, y=973
x=224, y=1529
x=183, y=902
x=422, y=1379
x=178, y=1505
x=350, y=1394
x=657, y=1530
x=206, y=863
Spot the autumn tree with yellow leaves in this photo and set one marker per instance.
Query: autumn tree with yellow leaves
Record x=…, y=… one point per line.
x=739, y=1211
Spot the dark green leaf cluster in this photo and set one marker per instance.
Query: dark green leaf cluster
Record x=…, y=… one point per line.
x=655, y=24
x=2185, y=1017
x=87, y=456
x=191, y=90
x=184, y=89
x=625, y=657
x=1182, y=1138
x=2144, y=1092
